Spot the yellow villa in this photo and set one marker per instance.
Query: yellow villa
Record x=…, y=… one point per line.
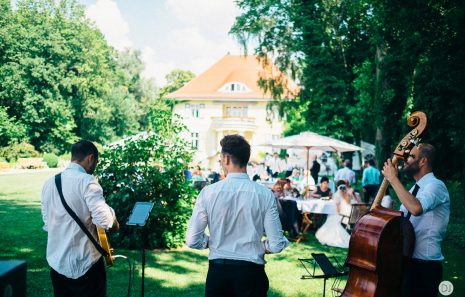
x=226, y=99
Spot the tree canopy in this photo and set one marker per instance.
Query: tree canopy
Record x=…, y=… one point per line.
x=60, y=80
x=364, y=66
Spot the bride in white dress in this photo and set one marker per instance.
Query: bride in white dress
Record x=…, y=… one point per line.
x=331, y=232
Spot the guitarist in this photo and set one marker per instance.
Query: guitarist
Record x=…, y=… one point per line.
x=77, y=268
x=429, y=206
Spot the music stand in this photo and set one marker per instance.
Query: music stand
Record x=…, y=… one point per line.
x=327, y=268
x=138, y=217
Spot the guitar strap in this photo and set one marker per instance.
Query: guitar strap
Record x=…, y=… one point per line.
x=75, y=217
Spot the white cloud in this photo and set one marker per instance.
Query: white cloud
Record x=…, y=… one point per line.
x=108, y=18
x=195, y=35
x=202, y=50
x=209, y=15
x=154, y=69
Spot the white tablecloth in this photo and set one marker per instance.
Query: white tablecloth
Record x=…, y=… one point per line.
x=316, y=206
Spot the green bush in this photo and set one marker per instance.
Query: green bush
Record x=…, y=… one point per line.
x=51, y=160
x=456, y=228
x=149, y=167
x=18, y=150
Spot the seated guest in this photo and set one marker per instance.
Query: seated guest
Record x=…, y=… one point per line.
x=295, y=193
x=255, y=172
x=306, y=181
x=295, y=177
x=343, y=198
x=197, y=174
x=282, y=188
x=331, y=232
x=323, y=189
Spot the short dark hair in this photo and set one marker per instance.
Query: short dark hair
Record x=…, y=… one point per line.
x=324, y=179
x=341, y=182
x=237, y=147
x=371, y=162
x=427, y=151
x=82, y=149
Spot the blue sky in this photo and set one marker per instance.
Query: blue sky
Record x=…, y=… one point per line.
x=171, y=34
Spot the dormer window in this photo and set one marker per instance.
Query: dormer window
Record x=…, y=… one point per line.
x=234, y=87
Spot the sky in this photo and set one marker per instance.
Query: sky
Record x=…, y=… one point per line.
x=171, y=34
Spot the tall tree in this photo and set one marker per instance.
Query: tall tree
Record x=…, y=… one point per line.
x=61, y=80
x=365, y=65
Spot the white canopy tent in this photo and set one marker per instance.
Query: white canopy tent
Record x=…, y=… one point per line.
x=310, y=140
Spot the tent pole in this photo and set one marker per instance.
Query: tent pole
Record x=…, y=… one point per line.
x=308, y=173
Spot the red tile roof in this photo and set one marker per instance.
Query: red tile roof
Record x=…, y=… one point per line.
x=233, y=68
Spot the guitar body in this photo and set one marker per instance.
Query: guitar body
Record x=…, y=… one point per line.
x=103, y=240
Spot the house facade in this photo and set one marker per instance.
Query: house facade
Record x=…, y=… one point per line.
x=226, y=99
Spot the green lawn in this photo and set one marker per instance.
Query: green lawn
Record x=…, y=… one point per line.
x=168, y=273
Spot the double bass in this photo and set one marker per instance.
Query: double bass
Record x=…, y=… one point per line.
x=376, y=245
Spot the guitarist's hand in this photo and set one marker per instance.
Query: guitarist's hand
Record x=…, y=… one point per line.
x=115, y=227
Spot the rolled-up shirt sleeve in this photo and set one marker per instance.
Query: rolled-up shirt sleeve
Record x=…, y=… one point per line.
x=102, y=214
x=275, y=241
x=432, y=195
x=195, y=236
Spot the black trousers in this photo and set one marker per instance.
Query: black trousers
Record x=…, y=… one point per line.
x=422, y=278
x=370, y=192
x=228, y=280
x=92, y=284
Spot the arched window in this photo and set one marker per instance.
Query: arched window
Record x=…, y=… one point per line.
x=234, y=87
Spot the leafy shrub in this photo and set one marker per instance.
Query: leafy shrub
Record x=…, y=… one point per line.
x=51, y=160
x=456, y=228
x=18, y=150
x=149, y=167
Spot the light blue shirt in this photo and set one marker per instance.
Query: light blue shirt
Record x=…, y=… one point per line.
x=347, y=174
x=237, y=212
x=370, y=176
x=430, y=227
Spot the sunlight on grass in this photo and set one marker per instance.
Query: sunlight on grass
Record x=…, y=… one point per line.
x=175, y=273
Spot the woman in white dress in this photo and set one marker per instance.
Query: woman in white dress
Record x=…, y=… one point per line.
x=331, y=232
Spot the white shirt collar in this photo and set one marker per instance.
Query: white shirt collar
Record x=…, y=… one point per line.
x=75, y=167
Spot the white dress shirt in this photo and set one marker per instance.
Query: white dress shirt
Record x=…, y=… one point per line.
x=347, y=174
x=237, y=212
x=430, y=227
x=69, y=250
x=276, y=165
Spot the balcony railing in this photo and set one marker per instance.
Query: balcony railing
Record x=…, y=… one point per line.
x=229, y=122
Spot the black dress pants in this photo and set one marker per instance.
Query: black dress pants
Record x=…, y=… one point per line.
x=92, y=284
x=422, y=278
x=238, y=279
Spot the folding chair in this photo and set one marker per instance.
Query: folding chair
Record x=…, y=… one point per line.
x=358, y=210
x=305, y=225
x=325, y=270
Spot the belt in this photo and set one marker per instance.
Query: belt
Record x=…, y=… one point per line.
x=425, y=261
x=233, y=262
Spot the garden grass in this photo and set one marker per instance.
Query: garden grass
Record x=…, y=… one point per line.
x=175, y=273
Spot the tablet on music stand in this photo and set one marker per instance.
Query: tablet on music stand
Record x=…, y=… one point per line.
x=140, y=213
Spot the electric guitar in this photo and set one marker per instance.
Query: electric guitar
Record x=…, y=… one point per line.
x=104, y=243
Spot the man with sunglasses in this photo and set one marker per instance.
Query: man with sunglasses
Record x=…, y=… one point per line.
x=427, y=205
x=238, y=212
